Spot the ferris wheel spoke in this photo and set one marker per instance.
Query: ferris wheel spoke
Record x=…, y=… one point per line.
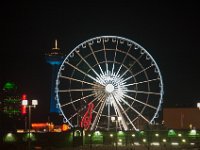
x=74, y=101
x=108, y=114
x=126, y=115
x=135, y=110
x=113, y=67
x=137, y=73
x=136, y=83
x=87, y=64
x=83, y=72
x=119, y=113
x=140, y=102
x=100, y=96
x=117, y=121
x=143, y=92
x=76, y=90
x=98, y=114
x=130, y=66
x=73, y=116
x=105, y=57
x=81, y=81
x=123, y=60
x=143, y=70
x=96, y=59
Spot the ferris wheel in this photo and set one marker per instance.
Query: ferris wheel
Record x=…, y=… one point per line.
x=109, y=83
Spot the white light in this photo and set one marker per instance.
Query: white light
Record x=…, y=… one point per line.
x=144, y=140
x=198, y=105
x=112, y=119
x=193, y=132
x=175, y=143
x=155, y=144
x=119, y=118
x=109, y=88
x=179, y=134
x=164, y=140
x=136, y=143
x=34, y=102
x=24, y=102
x=183, y=140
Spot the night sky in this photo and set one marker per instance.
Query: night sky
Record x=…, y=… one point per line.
x=169, y=32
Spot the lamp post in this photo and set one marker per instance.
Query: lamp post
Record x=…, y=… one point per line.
x=116, y=120
x=33, y=104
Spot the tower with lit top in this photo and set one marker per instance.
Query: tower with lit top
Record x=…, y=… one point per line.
x=55, y=57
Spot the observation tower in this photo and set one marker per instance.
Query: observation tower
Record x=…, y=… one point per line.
x=55, y=57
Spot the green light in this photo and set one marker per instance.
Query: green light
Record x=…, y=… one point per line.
x=97, y=133
x=97, y=137
x=192, y=133
x=10, y=138
x=121, y=133
x=141, y=133
x=171, y=133
x=31, y=136
x=9, y=86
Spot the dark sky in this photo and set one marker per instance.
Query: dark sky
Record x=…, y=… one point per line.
x=169, y=32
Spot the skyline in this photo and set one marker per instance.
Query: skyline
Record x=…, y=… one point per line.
x=168, y=33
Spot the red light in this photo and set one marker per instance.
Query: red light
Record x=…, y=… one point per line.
x=23, y=108
x=24, y=97
x=87, y=118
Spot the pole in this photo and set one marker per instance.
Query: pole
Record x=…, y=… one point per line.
x=116, y=133
x=29, y=127
x=25, y=121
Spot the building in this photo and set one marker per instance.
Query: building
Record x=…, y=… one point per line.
x=55, y=57
x=10, y=107
x=181, y=118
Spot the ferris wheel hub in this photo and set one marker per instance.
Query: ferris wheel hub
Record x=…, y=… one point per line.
x=109, y=88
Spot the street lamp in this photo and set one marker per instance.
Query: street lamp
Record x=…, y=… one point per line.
x=33, y=104
x=116, y=120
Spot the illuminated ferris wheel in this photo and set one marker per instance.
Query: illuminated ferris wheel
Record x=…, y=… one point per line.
x=109, y=83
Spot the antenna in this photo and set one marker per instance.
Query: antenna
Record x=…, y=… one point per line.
x=56, y=46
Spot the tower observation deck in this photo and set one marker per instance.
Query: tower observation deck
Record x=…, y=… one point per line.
x=55, y=57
